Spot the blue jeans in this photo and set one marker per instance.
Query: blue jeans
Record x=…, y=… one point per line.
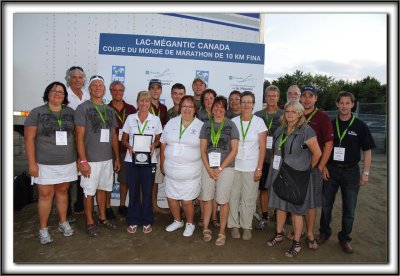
x=140, y=185
x=348, y=181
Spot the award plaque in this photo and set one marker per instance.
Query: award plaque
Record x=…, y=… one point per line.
x=141, y=147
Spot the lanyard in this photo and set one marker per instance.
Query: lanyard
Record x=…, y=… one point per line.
x=312, y=114
x=154, y=113
x=216, y=136
x=345, y=131
x=244, y=133
x=283, y=139
x=103, y=118
x=119, y=117
x=59, y=119
x=208, y=115
x=141, y=131
x=269, y=123
x=182, y=131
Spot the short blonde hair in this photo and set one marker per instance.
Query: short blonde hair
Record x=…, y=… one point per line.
x=143, y=95
x=298, y=107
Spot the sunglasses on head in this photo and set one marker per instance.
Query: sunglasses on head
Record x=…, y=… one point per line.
x=97, y=77
x=74, y=68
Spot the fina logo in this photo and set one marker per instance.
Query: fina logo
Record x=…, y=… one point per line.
x=118, y=73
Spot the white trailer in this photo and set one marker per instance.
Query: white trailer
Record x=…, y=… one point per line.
x=46, y=44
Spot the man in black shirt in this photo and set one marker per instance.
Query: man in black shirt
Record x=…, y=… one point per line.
x=351, y=136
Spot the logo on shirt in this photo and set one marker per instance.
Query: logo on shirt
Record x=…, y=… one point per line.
x=118, y=73
x=352, y=133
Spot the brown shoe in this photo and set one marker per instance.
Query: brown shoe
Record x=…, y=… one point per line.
x=322, y=238
x=346, y=246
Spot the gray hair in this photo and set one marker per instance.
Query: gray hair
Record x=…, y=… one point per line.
x=71, y=71
x=116, y=82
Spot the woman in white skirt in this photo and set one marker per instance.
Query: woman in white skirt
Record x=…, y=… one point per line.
x=51, y=151
x=181, y=164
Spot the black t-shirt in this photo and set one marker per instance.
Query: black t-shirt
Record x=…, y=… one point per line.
x=357, y=138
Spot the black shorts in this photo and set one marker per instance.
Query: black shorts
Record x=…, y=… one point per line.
x=263, y=180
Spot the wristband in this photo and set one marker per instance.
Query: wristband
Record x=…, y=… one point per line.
x=220, y=169
x=83, y=161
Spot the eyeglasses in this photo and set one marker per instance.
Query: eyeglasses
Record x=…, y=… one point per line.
x=74, y=68
x=56, y=92
x=96, y=77
x=290, y=111
x=187, y=106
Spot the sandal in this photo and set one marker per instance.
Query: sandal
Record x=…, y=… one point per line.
x=92, y=230
x=201, y=222
x=107, y=223
x=220, y=240
x=294, y=250
x=215, y=223
x=147, y=229
x=278, y=238
x=207, y=235
x=312, y=244
x=131, y=229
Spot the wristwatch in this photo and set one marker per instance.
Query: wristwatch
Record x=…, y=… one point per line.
x=366, y=173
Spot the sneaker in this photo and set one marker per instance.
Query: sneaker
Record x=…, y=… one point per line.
x=235, y=233
x=109, y=213
x=175, y=225
x=246, y=234
x=44, y=236
x=66, y=229
x=123, y=211
x=189, y=229
x=262, y=224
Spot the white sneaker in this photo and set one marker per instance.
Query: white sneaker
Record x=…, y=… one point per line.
x=66, y=229
x=189, y=229
x=44, y=236
x=175, y=225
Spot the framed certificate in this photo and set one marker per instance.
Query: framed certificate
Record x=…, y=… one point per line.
x=141, y=147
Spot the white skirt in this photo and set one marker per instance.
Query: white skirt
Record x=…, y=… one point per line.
x=56, y=174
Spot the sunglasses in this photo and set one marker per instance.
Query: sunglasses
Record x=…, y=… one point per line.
x=74, y=68
x=97, y=77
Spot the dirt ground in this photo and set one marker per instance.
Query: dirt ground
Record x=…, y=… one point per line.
x=160, y=247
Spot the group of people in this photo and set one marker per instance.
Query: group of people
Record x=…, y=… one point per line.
x=206, y=149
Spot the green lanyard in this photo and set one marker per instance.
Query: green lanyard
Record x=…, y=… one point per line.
x=345, y=131
x=154, y=113
x=119, y=117
x=141, y=131
x=182, y=131
x=312, y=114
x=216, y=136
x=244, y=133
x=283, y=139
x=102, y=117
x=269, y=123
x=208, y=115
x=59, y=119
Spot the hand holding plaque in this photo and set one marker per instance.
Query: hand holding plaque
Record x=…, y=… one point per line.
x=142, y=149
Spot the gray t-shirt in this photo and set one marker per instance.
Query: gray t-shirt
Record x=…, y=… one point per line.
x=272, y=126
x=86, y=115
x=203, y=115
x=228, y=133
x=47, y=152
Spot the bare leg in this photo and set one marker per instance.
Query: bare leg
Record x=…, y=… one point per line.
x=280, y=220
x=101, y=203
x=310, y=221
x=223, y=217
x=108, y=199
x=61, y=195
x=175, y=208
x=214, y=209
x=45, y=202
x=207, y=209
x=188, y=208
x=123, y=191
x=88, y=207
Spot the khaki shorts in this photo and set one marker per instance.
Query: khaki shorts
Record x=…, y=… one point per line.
x=101, y=178
x=159, y=178
x=220, y=189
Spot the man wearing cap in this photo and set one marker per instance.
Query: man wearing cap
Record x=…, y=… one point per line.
x=320, y=123
x=122, y=110
x=351, y=136
x=75, y=78
x=97, y=142
x=199, y=85
x=160, y=110
x=178, y=90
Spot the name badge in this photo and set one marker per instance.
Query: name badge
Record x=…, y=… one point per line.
x=178, y=150
x=277, y=162
x=120, y=132
x=241, y=153
x=214, y=158
x=338, y=154
x=105, y=135
x=61, y=138
x=270, y=139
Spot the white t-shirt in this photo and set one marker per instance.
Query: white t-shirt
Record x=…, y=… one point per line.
x=74, y=100
x=248, y=151
x=189, y=142
x=130, y=127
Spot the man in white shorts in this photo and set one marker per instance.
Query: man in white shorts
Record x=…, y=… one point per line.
x=97, y=141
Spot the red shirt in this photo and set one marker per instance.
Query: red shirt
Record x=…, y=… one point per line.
x=161, y=112
x=322, y=126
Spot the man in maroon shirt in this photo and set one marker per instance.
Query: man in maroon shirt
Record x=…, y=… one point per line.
x=160, y=110
x=122, y=110
x=322, y=126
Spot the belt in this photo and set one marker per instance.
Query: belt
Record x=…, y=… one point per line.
x=343, y=166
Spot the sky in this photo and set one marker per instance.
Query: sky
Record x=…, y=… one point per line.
x=344, y=46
